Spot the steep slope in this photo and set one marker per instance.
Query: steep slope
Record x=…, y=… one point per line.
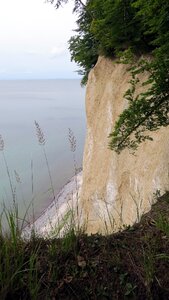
x=117, y=189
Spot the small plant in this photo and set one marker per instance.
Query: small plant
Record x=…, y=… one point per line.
x=69, y=241
x=70, y=232
x=129, y=289
x=162, y=224
x=123, y=278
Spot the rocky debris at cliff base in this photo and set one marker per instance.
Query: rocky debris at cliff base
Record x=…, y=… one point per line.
x=53, y=218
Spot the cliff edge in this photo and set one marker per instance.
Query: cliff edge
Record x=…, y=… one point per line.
x=117, y=188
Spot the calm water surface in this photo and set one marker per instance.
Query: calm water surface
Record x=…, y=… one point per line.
x=56, y=105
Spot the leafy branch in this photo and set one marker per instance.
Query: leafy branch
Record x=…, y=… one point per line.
x=147, y=111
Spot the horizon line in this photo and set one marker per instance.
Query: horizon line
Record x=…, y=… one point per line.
x=26, y=79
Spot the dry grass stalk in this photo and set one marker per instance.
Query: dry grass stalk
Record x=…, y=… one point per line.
x=73, y=145
x=72, y=141
x=42, y=141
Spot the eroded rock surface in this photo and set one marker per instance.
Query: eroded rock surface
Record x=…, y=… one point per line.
x=117, y=189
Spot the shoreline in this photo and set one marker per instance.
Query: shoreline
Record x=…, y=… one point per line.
x=65, y=200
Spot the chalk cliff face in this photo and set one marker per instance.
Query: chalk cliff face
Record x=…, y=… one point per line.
x=117, y=189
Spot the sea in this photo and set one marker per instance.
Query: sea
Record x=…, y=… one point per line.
x=58, y=106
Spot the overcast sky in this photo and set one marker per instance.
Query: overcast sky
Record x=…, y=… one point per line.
x=33, y=40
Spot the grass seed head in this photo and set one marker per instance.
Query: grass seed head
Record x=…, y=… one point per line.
x=72, y=140
x=40, y=134
x=1, y=143
x=17, y=177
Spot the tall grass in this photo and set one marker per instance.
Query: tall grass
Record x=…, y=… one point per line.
x=2, y=148
x=42, y=142
x=19, y=271
x=76, y=214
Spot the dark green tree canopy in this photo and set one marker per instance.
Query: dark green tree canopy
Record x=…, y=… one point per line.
x=150, y=110
x=127, y=28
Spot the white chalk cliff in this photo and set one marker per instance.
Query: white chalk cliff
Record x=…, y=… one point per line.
x=117, y=189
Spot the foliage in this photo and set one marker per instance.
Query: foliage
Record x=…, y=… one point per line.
x=116, y=27
x=146, y=111
x=103, y=28
x=149, y=110
x=163, y=224
x=112, y=27
x=83, y=46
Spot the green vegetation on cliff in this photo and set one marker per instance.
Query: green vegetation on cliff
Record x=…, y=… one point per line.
x=129, y=29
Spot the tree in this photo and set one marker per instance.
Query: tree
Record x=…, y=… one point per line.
x=150, y=110
x=84, y=46
x=113, y=27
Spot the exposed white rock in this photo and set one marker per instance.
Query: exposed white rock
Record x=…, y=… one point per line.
x=57, y=218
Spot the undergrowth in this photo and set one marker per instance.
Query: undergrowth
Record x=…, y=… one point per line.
x=133, y=264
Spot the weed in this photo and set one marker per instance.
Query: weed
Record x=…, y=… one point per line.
x=162, y=224
x=163, y=256
x=130, y=289
x=123, y=277
x=69, y=241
